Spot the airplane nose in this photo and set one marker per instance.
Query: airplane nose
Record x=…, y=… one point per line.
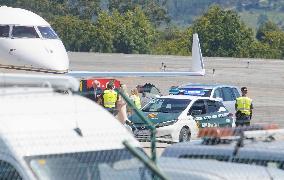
x=58, y=59
x=56, y=56
x=36, y=54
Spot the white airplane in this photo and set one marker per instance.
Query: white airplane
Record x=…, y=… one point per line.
x=28, y=42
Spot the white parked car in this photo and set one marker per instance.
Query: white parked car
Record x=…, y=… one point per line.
x=179, y=117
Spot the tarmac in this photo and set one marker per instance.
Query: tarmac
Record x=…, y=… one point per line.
x=263, y=78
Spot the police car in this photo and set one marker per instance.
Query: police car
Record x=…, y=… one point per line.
x=179, y=117
x=226, y=93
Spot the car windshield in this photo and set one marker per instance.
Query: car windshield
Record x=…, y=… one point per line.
x=105, y=164
x=166, y=105
x=24, y=32
x=195, y=91
x=47, y=32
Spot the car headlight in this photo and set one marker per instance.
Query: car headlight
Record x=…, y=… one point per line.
x=166, y=123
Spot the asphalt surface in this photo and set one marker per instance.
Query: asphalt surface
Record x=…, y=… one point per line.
x=264, y=78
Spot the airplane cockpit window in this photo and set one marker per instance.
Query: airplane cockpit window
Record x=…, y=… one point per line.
x=24, y=32
x=4, y=31
x=47, y=32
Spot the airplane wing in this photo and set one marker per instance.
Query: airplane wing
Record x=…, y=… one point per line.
x=197, y=68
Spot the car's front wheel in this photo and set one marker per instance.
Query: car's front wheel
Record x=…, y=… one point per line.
x=184, y=134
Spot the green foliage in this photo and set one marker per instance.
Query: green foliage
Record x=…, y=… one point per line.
x=263, y=50
x=131, y=32
x=223, y=34
x=174, y=42
x=155, y=10
x=84, y=9
x=135, y=34
x=267, y=26
x=262, y=18
x=76, y=34
x=105, y=26
x=45, y=8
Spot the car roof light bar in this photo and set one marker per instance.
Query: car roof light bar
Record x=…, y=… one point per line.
x=57, y=82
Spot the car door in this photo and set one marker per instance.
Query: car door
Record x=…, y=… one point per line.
x=198, y=112
x=218, y=94
x=217, y=114
x=229, y=99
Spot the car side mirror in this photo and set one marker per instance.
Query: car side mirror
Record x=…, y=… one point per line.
x=195, y=112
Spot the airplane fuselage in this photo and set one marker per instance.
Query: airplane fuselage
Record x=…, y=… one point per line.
x=30, y=44
x=27, y=42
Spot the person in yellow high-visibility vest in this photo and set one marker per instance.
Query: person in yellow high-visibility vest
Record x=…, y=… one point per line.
x=243, y=108
x=135, y=98
x=110, y=98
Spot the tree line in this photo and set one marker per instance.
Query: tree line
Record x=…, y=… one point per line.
x=144, y=27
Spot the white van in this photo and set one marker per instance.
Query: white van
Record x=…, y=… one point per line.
x=50, y=135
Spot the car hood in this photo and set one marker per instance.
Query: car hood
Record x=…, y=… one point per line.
x=154, y=117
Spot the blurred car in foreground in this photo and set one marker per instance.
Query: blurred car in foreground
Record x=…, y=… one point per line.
x=266, y=152
x=214, y=170
x=227, y=93
x=179, y=117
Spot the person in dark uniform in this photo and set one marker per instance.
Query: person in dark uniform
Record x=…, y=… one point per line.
x=95, y=93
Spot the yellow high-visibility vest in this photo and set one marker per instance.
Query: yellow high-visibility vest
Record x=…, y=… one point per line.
x=137, y=101
x=244, y=105
x=110, y=98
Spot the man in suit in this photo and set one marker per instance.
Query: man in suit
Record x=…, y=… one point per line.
x=96, y=92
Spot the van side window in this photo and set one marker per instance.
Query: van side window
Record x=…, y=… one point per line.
x=4, y=31
x=7, y=171
x=198, y=105
x=24, y=32
x=228, y=94
x=217, y=93
x=236, y=92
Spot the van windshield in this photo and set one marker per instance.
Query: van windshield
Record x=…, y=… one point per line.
x=105, y=164
x=47, y=32
x=166, y=105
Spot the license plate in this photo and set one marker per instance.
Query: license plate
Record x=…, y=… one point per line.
x=144, y=132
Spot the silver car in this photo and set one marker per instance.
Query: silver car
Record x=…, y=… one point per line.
x=226, y=93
